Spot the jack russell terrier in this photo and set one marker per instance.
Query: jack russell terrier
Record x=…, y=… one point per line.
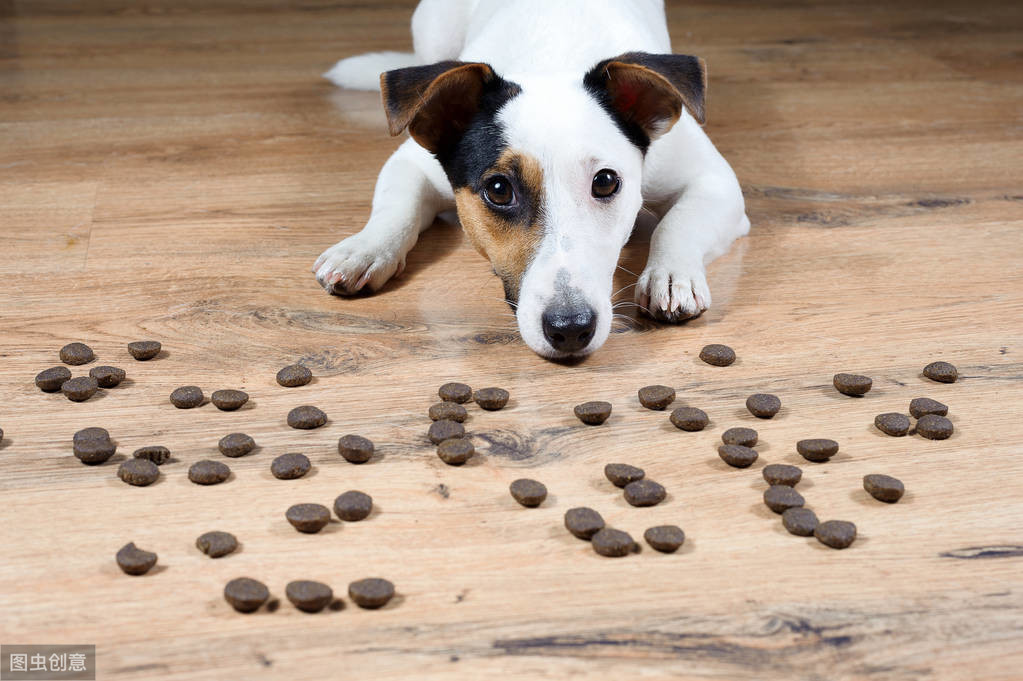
x=548, y=125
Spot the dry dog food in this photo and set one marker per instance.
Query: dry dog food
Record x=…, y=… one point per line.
x=782, y=474
x=665, y=538
x=50, y=380
x=717, y=355
x=245, y=594
x=134, y=561
x=737, y=456
x=138, y=472
x=892, y=423
x=799, y=521
x=491, y=399
x=449, y=411
x=294, y=375
x=593, y=413
x=355, y=448
x=306, y=417
x=308, y=518
x=455, y=451
x=621, y=474
x=309, y=596
x=934, y=427
x=745, y=437
x=216, y=544
x=853, y=385
x=780, y=498
x=371, y=593
x=290, y=466
x=187, y=397
x=763, y=405
x=107, y=377
x=143, y=350
x=612, y=543
x=529, y=493
x=445, y=430
x=80, y=389
x=583, y=522
x=353, y=506
x=922, y=406
x=817, y=450
x=236, y=444
x=92, y=446
x=645, y=493
x=455, y=392
x=155, y=453
x=229, y=400
x=656, y=396
x=76, y=354
x=883, y=487
x=838, y=534
x=942, y=372
x=208, y=472
x=689, y=418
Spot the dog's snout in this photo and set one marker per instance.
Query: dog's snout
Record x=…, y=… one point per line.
x=569, y=329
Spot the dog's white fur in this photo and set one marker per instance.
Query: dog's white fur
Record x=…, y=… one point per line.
x=546, y=47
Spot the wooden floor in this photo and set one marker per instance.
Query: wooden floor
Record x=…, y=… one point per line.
x=170, y=170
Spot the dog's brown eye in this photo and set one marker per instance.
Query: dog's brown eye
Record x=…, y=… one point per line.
x=498, y=191
x=606, y=183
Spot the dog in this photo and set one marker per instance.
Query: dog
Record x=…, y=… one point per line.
x=547, y=125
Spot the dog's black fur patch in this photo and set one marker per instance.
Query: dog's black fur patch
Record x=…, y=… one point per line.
x=483, y=141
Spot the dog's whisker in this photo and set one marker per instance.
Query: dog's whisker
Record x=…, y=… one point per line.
x=627, y=271
x=622, y=289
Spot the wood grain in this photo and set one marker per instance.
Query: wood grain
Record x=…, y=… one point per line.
x=170, y=170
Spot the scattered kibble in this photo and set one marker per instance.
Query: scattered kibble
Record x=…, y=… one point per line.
x=782, y=474
x=138, y=472
x=665, y=538
x=612, y=543
x=745, y=437
x=529, y=493
x=883, y=487
x=308, y=518
x=892, y=423
x=717, y=355
x=80, y=389
x=491, y=399
x=290, y=466
x=216, y=544
x=309, y=596
x=838, y=534
x=236, y=444
x=934, y=427
x=853, y=385
x=621, y=474
x=762, y=405
x=207, y=472
x=245, y=594
x=450, y=411
x=108, y=377
x=134, y=561
x=817, y=450
x=922, y=406
x=355, y=448
x=593, y=413
x=656, y=397
x=50, y=380
x=737, y=456
x=800, y=521
x=187, y=397
x=229, y=400
x=144, y=350
x=76, y=354
x=353, y=506
x=294, y=375
x=455, y=451
x=644, y=493
x=583, y=522
x=942, y=372
x=371, y=593
x=445, y=430
x=455, y=392
x=780, y=498
x=689, y=418
x=306, y=417
x=157, y=454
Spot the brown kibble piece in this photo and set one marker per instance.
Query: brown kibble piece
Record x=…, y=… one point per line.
x=371, y=593
x=922, y=406
x=942, y=372
x=138, y=472
x=76, y=354
x=717, y=355
x=445, y=430
x=612, y=543
x=583, y=522
x=689, y=418
x=883, y=487
x=455, y=392
x=780, y=498
x=455, y=451
x=107, y=377
x=838, y=534
x=892, y=423
x=155, y=453
x=306, y=417
x=187, y=397
x=144, y=350
x=763, y=405
x=134, y=561
x=80, y=389
x=737, y=456
x=236, y=444
x=294, y=375
x=353, y=506
x=934, y=427
x=782, y=474
x=491, y=399
x=216, y=544
x=355, y=448
x=529, y=493
x=656, y=396
x=621, y=474
x=800, y=521
x=290, y=466
x=93, y=446
x=309, y=596
x=229, y=400
x=50, y=380
x=853, y=385
x=308, y=518
x=208, y=472
x=450, y=411
x=245, y=594
x=645, y=493
x=817, y=450
x=593, y=413
x=665, y=538
x=746, y=437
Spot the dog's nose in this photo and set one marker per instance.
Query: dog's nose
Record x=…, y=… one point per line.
x=569, y=330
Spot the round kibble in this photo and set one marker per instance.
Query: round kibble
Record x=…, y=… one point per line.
x=621, y=474
x=76, y=354
x=763, y=405
x=689, y=418
x=934, y=427
x=737, y=456
x=450, y=411
x=717, y=355
x=355, y=448
x=853, y=385
x=445, y=430
x=306, y=417
x=371, y=593
x=883, y=487
x=155, y=453
x=665, y=538
x=838, y=534
x=143, y=350
x=50, y=380
x=94, y=451
x=491, y=399
x=455, y=451
x=92, y=433
x=308, y=518
x=245, y=594
x=208, y=472
x=353, y=506
x=892, y=423
x=645, y=493
x=922, y=406
x=593, y=413
x=780, y=498
x=745, y=437
x=236, y=444
x=216, y=544
x=138, y=472
x=107, y=377
x=800, y=521
x=529, y=493
x=583, y=522
x=817, y=450
x=455, y=392
x=942, y=372
x=80, y=389
x=229, y=400
x=290, y=466
x=656, y=396
x=134, y=561
x=612, y=543
x=782, y=474
x=309, y=596
x=187, y=397
x=294, y=375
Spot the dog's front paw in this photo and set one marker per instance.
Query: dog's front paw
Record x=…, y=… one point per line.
x=673, y=294
x=356, y=264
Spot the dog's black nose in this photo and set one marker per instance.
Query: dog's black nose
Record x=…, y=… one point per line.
x=569, y=329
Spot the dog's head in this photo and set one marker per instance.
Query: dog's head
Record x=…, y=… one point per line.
x=547, y=175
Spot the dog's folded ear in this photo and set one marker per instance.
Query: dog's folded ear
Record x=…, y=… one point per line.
x=645, y=93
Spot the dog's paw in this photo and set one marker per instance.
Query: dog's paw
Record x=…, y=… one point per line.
x=673, y=294
x=357, y=264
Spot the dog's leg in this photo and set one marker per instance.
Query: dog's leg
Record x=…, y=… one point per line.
x=410, y=191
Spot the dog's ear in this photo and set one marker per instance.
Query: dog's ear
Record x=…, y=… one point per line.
x=435, y=102
x=646, y=93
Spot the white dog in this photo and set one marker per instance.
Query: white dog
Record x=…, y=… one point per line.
x=548, y=124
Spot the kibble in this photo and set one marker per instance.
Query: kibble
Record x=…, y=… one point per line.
x=76, y=354
x=455, y=451
x=308, y=518
x=138, y=472
x=817, y=450
x=883, y=487
x=92, y=433
x=689, y=418
x=780, y=498
x=306, y=417
x=763, y=405
x=665, y=538
x=217, y=544
x=717, y=355
x=236, y=444
x=942, y=372
x=208, y=472
x=782, y=474
x=612, y=543
x=50, y=380
x=187, y=397
x=80, y=389
x=853, y=385
x=583, y=522
x=934, y=427
x=229, y=400
x=155, y=453
x=745, y=437
x=445, y=430
x=309, y=596
x=290, y=466
x=838, y=534
x=800, y=521
x=656, y=396
x=371, y=593
x=645, y=493
x=529, y=493
x=355, y=448
x=245, y=594
x=593, y=413
x=491, y=399
x=134, y=561
x=294, y=375
x=621, y=474
x=892, y=423
x=107, y=377
x=737, y=456
x=922, y=406
x=93, y=446
x=455, y=392
x=144, y=350
x=353, y=506
x=450, y=411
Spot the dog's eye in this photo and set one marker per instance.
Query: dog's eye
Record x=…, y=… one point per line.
x=606, y=183
x=498, y=191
